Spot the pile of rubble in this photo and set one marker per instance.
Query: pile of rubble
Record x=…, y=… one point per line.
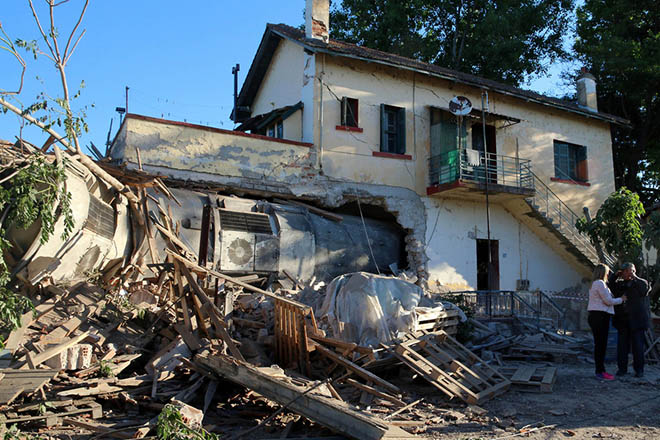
x=104, y=357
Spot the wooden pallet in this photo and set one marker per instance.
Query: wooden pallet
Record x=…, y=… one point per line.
x=432, y=321
x=452, y=368
x=531, y=378
x=292, y=322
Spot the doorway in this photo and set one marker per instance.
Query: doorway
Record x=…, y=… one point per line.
x=490, y=159
x=482, y=265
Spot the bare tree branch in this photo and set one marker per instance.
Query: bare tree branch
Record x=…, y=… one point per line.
x=73, y=49
x=75, y=28
x=43, y=34
x=82, y=157
x=9, y=47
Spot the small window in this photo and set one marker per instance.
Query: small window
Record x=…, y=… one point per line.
x=570, y=162
x=392, y=129
x=349, y=112
x=280, y=130
x=276, y=130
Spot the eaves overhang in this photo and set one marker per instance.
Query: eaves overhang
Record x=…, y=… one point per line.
x=367, y=55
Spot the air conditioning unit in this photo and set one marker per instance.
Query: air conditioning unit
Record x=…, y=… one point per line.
x=247, y=242
x=522, y=284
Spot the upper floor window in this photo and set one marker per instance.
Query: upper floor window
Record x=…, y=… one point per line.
x=349, y=112
x=276, y=130
x=392, y=129
x=570, y=162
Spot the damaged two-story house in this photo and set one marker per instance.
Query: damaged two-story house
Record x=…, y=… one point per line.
x=360, y=131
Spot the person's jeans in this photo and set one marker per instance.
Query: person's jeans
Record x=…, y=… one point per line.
x=600, y=326
x=630, y=339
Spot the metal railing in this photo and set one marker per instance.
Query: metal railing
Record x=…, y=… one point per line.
x=475, y=166
x=546, y=202
x=535, y=305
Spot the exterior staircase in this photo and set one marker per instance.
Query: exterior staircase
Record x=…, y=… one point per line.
x=559, y=219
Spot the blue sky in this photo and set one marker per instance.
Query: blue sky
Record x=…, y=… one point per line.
x=176, y=58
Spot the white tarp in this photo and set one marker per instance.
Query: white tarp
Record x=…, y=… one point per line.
x=371, y=309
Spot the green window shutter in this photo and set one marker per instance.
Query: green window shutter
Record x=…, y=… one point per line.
x=581, y=167
x=383, y=128
x=401, y=131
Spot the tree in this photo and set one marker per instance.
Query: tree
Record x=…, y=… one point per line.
x=619, y=41
x=617, y=225
x=506, y=40
x=32, y=189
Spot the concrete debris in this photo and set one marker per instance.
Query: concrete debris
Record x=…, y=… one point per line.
x=237, y=351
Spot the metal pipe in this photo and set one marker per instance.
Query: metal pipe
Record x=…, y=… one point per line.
x=234, y=71
x=483, y=125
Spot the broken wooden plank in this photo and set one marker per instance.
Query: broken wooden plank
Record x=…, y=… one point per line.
x=94, y=408
x=109, y=430
x=53, y=351
x=101, y=388
x=375, y=392
x=367, y=375
x=329, y=412
x=16, y=381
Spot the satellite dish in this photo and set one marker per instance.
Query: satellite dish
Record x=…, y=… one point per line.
x=460, y=106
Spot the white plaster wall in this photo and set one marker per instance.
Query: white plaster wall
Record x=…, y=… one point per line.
x=213, y=151
x=293, y=126
x=283, y=80
x=451, y=232
x=349, y=155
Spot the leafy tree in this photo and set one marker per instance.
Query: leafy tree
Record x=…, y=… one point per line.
x=504, y=40
x=619, y=41
x=617, y=226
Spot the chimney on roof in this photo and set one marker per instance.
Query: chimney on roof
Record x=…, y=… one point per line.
x=586, y=90
x=317, y=19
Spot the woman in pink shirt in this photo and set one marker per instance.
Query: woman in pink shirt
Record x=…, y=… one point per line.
x=601, y=308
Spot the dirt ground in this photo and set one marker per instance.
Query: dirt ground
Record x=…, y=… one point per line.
x=580, y=407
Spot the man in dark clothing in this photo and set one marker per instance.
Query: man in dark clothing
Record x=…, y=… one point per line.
x=631, y=319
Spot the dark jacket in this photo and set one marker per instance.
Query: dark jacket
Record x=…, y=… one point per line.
x=635, y=312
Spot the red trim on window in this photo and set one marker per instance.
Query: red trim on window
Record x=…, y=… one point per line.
x=391, y=155
x=572, y=182
x=347, y=128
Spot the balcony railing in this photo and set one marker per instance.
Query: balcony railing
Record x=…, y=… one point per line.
x=473, y=166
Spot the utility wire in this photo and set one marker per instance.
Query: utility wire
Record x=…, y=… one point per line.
x=364, y=226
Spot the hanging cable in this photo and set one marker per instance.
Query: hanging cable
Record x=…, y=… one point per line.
x=364, y=226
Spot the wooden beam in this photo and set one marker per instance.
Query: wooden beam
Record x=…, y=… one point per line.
x=367, y=375
x=375, y=392
x=329, y=412
x=199, y=269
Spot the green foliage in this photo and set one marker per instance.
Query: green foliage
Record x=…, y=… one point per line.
x=31, y=195
x=13, y=433
x=505, y=40
x=619, y=42
x=12, y=307
x=617, y=225
x=105, y=369
x=170, y=426
x=44, y=407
